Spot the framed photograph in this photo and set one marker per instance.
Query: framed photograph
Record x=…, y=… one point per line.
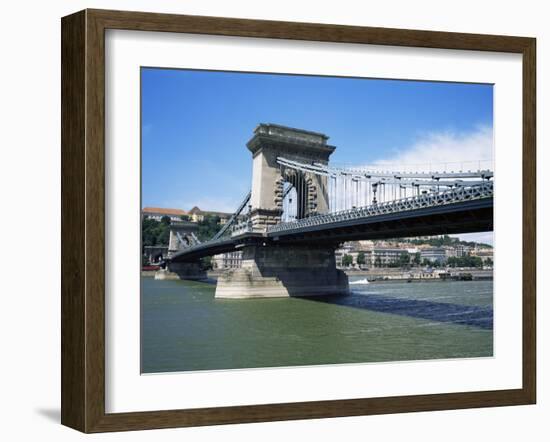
x=271, y=220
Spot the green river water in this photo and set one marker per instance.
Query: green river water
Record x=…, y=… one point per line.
x=184, y=328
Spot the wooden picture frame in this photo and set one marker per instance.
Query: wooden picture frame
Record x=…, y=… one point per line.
x=83, y=220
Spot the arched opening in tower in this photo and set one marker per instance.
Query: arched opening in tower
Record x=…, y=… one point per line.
x=296, y=196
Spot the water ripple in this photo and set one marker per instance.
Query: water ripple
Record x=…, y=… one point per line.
x=481, y=317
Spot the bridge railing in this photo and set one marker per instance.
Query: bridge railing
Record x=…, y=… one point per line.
x=377, y=173
x=203, y=245
x=235, y=229
x=227, y=227
x=431, y=199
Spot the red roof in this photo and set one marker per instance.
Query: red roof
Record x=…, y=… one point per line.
x=162, y=211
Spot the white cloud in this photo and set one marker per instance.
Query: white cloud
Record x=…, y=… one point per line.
x=445, y=151
x=438, y=151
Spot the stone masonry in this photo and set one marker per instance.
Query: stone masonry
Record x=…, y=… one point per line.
x=284, y=271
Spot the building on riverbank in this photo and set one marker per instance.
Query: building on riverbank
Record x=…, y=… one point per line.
x=434, y=255
x=390, y=253
x=155, y=254
x=196, y=215
x=485, y=254
x=384, y=256
x=230, y=260
x=157, y=213
x=461, y=251
x=368, y=254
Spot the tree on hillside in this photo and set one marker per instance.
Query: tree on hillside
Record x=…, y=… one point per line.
x=465, y=261
x=154, y=233
x=164, y=236
x=361, y=258
x=208, y=227
x=443, y=240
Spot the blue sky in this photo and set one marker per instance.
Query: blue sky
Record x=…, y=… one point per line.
x=195, y=125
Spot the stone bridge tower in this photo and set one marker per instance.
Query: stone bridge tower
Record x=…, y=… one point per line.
x=282, y=269
x=271, y=141
x=182, y=235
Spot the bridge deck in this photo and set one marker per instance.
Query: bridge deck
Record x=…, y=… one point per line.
x=461, y=217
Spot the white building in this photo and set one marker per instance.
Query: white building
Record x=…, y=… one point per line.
x=484, y=253
x=462, y=251
x=230, y=260
x=157, y=213
x=196, y=215
x=374, y=256
x=434, y=254
x=383, y=256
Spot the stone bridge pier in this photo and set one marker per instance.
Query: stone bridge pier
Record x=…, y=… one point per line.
x=279, y=270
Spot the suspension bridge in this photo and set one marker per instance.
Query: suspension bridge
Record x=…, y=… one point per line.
x=300, y=208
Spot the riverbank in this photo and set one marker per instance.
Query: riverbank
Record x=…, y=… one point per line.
x=398, y=275
x=419, y=275
x=389, y=275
